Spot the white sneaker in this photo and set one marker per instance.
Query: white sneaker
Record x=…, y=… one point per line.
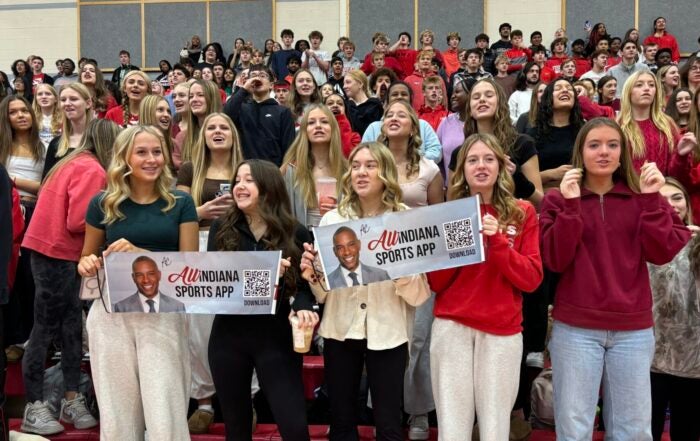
x=419, y=429
x=38, y=419
x=75, y=412
x=535, y=359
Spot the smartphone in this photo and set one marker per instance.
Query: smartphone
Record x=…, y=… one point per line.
x=223, y=189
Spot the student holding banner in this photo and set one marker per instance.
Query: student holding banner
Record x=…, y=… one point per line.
x=56, y=239
x=365, y=324
x=316, y=153
x=476, y=346
x=421, y=185
x=208, y=179
x=140, y=362
x=599, y=231
x=261, y=219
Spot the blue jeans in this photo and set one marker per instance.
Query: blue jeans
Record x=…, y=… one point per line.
x=622, y=359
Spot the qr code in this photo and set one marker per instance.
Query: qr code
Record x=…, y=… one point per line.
x=458, y=234
x=256, y=283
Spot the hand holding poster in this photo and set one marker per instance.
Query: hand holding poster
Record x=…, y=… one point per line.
x=402, y=243
x=199, y=283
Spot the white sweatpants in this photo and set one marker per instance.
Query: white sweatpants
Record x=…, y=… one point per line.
x=473, y=372
x=141, y=371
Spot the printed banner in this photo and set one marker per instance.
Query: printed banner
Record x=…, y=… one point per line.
x=402, y=243
x=219, y=282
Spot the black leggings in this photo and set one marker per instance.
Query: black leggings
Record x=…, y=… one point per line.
x=57, y=315
x=344, y=361
x=683, y=396
x=239, y=344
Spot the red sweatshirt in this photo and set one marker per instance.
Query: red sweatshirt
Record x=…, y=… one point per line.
x=415, y=82
x=554, y=63
x=407, y=59
x=657, y=150
x=451, y=61
x=602, y=254
x=518, y=57
x=389, y=62
x=348, y=138
x=487, y=296
x=57, y=228
x=666, y=41
x=433, y=116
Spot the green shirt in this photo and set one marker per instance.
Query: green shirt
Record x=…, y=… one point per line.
x=146, y=225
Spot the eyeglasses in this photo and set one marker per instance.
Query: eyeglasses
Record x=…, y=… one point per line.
x=260, y=76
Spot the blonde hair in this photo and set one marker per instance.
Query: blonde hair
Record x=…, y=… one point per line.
x=84, y=92
x=202, y=160
x=147, y=117
x=391, y=197
x=118, y=181
x=213, y=105
x=506, y=205
x=414, y=139
x=661, y=121
x=301, y=157
x=361, y=78
x=126, y=113
x=661, y=75
x=98, y=142
x=56, y=114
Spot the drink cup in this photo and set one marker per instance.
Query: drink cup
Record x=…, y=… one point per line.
x=301, y=337
x=325, y=190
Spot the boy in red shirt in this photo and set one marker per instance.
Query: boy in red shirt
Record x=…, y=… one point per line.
x=518, y=55
x=451, y=55
x=415, y=81
x=433, y=111
x=381, y=44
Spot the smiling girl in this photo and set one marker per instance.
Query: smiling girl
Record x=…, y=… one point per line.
x=476, y=342
x=76, y=104
x=138, y=213
x=598, y=231
x=135, y=87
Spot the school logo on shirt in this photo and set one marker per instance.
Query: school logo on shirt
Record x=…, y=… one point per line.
x=511, y=232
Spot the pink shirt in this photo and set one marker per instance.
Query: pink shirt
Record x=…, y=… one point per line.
x=57, y=228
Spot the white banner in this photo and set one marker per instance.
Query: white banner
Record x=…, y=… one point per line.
x=218, y=282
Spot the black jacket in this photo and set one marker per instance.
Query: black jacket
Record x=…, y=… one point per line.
x=365, y=114
x=6, y=234
x=303, y=298
x=266, y=128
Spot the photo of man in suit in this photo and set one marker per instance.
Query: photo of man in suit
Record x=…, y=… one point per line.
x=351, y=272
x=148, y=298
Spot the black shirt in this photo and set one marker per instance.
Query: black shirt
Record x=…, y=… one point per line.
x=555, y=148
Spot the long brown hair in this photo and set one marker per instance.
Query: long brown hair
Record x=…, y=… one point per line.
x=101, y=96
x=503, y=129
x=275, y=210
x=503, y=201
x=7, y=133
x=213, y=105
x=626, y=169
x=294, y=102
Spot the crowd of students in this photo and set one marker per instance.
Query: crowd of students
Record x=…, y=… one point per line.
x=584, y=153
